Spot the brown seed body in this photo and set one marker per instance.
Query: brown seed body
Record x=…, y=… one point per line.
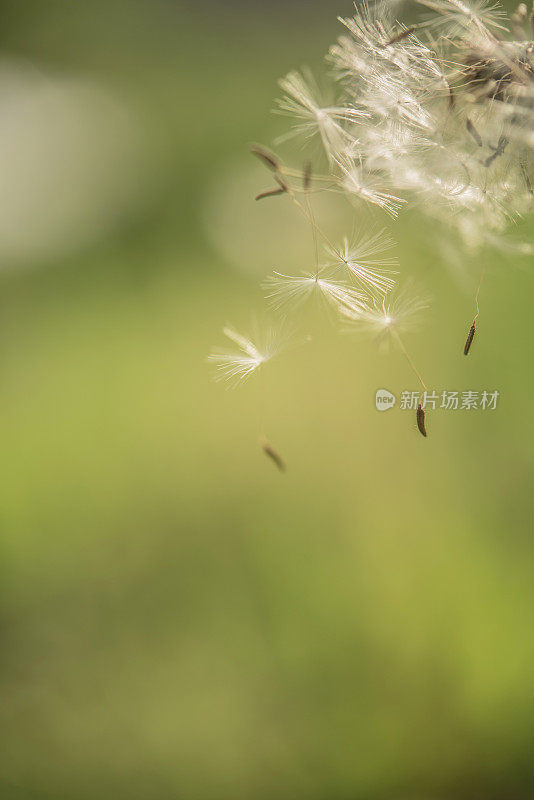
x=269, y=193
x=307, y=175
x=271, y=453
x=266, y=156
x=469, y=340
x=421, y=419
x=474, y=133
x=497, y=151
x=528, y=182
x=402, y=35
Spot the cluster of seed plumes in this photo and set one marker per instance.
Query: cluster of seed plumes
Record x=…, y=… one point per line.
x=435, y=113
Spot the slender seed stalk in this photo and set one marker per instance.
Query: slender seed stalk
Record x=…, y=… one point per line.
x=307, y=184
x=264, y=443
x=409, y=360
x=308, y=214
x=478, y=293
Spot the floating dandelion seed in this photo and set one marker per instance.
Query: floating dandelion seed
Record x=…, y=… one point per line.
x=238, y=365
x=398, y=312
x=287, y=292
x=388, y=318
x=359, y=259
x=313, y=116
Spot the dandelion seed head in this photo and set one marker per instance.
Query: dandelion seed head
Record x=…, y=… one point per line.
x=438, y=116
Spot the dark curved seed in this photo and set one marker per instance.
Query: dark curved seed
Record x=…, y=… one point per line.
x=421, y=419
x=474, y=133
x=401, y=35
x=469, y=340
x=269, y=193
x=271, y=453
x=266, y=156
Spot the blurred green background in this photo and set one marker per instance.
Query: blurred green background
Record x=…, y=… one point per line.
x=179, y=620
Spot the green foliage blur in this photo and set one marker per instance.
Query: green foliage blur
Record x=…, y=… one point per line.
x=178, y=620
